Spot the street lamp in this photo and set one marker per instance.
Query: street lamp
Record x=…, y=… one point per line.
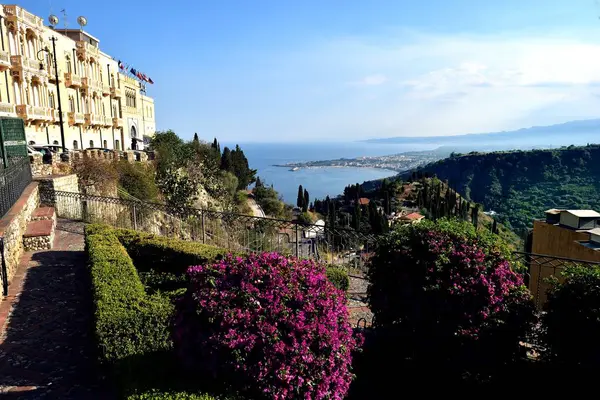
x=53, y=19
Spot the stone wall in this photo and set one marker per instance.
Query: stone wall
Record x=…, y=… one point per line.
x=12, y=228
x=65, y=206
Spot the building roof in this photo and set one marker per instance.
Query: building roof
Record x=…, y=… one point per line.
x=413, y=216
x=554, y=211
x=584, y=213
x=595, y=231
x=363, y=201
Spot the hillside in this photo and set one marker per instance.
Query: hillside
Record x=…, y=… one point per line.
x=520, y=185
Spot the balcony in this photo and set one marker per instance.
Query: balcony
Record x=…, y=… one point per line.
x=105, y=89
x=4, y=60
x=7, y=109
x=85, y=82
x=72, y=80
x=108, y=122
x=34, y=113
x=15, y=13
x=76, y=118
x=86, y=50
x=56, y=116
x=115, y=92
x=94, y=120
x=117, y=122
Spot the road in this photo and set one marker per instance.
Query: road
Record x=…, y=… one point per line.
x=257, y=210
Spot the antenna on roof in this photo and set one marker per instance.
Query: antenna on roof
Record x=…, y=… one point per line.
x=66, y=24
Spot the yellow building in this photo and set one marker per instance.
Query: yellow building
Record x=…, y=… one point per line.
x=101, y=106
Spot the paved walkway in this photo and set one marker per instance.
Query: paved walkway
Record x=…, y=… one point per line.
x=46, y=337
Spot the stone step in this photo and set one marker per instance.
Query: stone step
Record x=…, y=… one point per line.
x=42, y=213
x=39, y=235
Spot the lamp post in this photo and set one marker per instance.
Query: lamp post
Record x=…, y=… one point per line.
x=60, y=114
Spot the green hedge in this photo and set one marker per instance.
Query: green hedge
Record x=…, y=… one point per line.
x=128, y=322
x=339, y=277
x=166, y=254
x=156, y=395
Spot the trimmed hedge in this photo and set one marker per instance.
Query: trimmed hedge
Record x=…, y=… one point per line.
x=128, y=322
x=157, y=395
x=338, y=277
x=166, y=254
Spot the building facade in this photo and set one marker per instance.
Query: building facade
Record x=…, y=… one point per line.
x=572, y=234
x=101, y=106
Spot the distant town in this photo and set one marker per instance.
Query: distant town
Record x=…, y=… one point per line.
x=395, y=162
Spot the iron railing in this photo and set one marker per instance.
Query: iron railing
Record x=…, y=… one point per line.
x=541, y=267
x=236, y=232
x=13, y=180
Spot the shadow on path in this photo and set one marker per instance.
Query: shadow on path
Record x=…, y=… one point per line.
x=47, y=348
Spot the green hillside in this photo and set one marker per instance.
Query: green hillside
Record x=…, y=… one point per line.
x=520, y=185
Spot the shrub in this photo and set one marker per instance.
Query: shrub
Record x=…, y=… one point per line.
x=138, y=180
x=127, y=321
x=270, y=326
x=158, y=395
x=338, y=277
x=450, y=292
x=164, y=254
x=573, y=317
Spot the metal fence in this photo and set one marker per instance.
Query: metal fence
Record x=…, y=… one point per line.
x=233, y=231
x=542, y=267
x=13, y=180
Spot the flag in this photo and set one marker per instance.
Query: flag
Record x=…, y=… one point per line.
x=150, y=80
x=121, y=65
x=146, y=78
x=133, y=71
x=139, y=75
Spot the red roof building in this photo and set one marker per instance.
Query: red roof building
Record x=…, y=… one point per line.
x=412, y=217
x=363, y=201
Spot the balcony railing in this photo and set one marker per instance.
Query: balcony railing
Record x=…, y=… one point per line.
x=21, y=62
x=72, y=80
x=107, y=122
x=85, y=50
x=105, y=89
x=34, y=113
x=14, y=12
x=76, y=118
x=4, y=60
x=115, y=92
x=117, y=122
x=94, y=119
x=56, y=116
x=6, y=108
x=85, y=82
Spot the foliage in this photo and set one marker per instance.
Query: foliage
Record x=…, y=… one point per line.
x=520, y=185
x=138, y=179
x=97, y=174
x=450, y=292
x=131, y=327
x=229, y=183
x=300, y=198
x=305, y=218
x=241, y=202
x=573, y=317
x=339, y=277
x=273, y=327
x=160, y=395
x=268, y=199
x=179, y=189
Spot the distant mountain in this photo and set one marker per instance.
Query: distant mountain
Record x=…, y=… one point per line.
x=573, y=132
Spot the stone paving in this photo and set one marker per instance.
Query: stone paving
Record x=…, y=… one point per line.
x=360, y=314
x=46, y=336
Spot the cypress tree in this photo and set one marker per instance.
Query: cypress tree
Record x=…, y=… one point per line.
x=226, y=161
x=300, y=198
x=196, y=140
x=356, y=217
x=306, y=200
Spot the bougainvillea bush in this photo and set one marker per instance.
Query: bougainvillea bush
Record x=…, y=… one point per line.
x=450, y=293
x=268, y=325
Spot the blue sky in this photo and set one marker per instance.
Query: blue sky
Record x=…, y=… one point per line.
x=328, y=70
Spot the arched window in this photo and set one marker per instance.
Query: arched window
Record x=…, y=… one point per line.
x=75, y=145
x=51, y=103
x=55, y=142
x=117, y=145
x=91, y=143
x=31, y=142
x=133, y=132
x=105, y=144
x=69, y=67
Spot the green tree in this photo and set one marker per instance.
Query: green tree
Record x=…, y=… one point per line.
x=300, y=198
x=306, y=201
x=356, y=215
x=196, y=140
x=226, y=162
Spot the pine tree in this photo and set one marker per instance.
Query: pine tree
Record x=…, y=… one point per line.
x=300, y=198
x=306, y=201
x=196, y=140
x=258, y=181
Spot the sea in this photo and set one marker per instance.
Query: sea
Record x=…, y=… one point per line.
x=320, y=182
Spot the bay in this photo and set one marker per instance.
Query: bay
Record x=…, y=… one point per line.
x=320, y=182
